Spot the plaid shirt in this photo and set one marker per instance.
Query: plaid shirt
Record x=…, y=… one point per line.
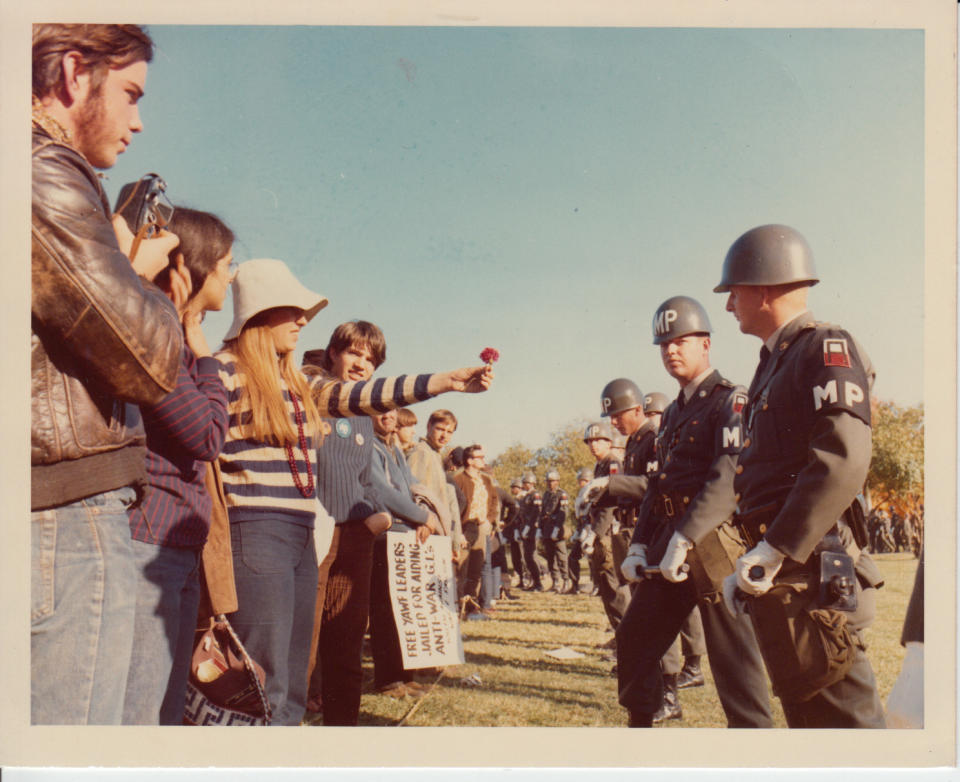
x=184, y=431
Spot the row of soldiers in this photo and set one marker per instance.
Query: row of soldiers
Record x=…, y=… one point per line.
x=894, y=532
x=743, y=505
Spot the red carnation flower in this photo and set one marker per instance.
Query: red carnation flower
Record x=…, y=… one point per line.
x=489, y=355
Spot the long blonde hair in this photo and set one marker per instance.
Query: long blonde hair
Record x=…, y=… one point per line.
x=263, y=410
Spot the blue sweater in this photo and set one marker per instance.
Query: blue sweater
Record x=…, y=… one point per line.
x=391, y=482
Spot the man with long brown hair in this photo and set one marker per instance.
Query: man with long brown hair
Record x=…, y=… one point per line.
x=102, y=341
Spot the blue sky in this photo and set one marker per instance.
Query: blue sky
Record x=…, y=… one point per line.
x=542, y=190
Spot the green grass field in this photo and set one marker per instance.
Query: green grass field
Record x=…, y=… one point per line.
x=522, y=686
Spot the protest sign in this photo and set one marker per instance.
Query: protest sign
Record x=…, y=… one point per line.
x=423, y=593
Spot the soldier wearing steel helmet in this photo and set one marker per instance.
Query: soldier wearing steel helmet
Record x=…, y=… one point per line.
x=598, y=537
x=512, y=529
x=553, y=527
x=683, y=522
x=637, y=416
x=530, y=532
x=805, y=456
x=584, y=476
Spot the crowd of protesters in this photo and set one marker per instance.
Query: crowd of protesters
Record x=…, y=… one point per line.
x=142, y=437
x=171, y=483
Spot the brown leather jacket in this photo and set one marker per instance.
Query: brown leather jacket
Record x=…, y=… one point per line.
x=102, y=340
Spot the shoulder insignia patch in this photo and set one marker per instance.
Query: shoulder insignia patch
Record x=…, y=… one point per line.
x=836, y=353
x=739, y=402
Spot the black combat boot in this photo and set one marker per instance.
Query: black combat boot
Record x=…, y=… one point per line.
x=691, y=675
x=639, y=719
x=670, y=708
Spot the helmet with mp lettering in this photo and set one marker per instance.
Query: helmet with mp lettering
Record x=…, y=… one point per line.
x=768, y=255
x=598, y=430
x=619, y=395
x=529, y=477
x=553, y=475
x=677, y=317
x=655, y=402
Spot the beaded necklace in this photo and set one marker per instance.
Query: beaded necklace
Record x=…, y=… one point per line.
x=306, y=491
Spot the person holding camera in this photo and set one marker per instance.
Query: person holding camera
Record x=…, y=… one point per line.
x=103, y=340
x=185, y=430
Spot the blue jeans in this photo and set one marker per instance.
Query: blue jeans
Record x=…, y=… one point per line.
x=275, y=570
x=168, y=593
x=83, y=582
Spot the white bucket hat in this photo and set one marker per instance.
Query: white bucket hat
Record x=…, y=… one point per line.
x=265, y=283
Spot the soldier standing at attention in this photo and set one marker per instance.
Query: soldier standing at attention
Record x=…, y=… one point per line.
x=683, y=516
x=553, y=525
x=805, y=457
x=584, y=476
x=512, y=529
x=530, y=531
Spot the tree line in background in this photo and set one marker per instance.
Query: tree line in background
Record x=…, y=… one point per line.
x=894, y=483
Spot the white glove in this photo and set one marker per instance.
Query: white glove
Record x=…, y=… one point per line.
x=555, y=533
x=539, y=534
x=575, y=537
x=768, y=559
x=516, y=535
x=905, y=702
x=634, y=563
x=731, y=598
x=588, y=537
x=674, y=557
x=526, y=532
x=589, y=494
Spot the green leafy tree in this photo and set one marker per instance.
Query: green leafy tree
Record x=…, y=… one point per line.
x=567, y=454
x=896, y=470
x=512, y=463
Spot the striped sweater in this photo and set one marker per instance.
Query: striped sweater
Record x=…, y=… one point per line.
x=257, y=479
x=184, y=431
x=344, y=458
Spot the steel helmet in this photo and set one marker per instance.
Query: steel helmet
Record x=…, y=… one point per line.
x=529, y=477
x=585, y=474
x=655, y=402
x=677, y=317
x=598, y=430
x=553, y=475
x=516, y=483
x=768, y=255
x=619, y=395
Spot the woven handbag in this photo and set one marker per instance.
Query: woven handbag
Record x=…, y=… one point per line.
x=226, y=686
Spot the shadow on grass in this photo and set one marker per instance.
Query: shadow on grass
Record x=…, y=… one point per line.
x=582, y=668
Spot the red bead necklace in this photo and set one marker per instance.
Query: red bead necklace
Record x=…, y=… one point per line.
x=306, y=491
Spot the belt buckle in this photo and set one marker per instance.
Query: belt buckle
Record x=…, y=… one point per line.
x=668, y=506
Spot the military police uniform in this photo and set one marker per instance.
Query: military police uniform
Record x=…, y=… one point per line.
x=553, y=518
x=640, y=459
x=529, y=534
x=614, y=595
x=692, y=494
x=806, y=453
x=512, y=525
x=805, y=458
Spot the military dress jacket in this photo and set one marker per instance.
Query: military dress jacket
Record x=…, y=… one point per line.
x=697, y=448
x=530, y=506
x=807, y=443
x=553, y=513
x=639, y=459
